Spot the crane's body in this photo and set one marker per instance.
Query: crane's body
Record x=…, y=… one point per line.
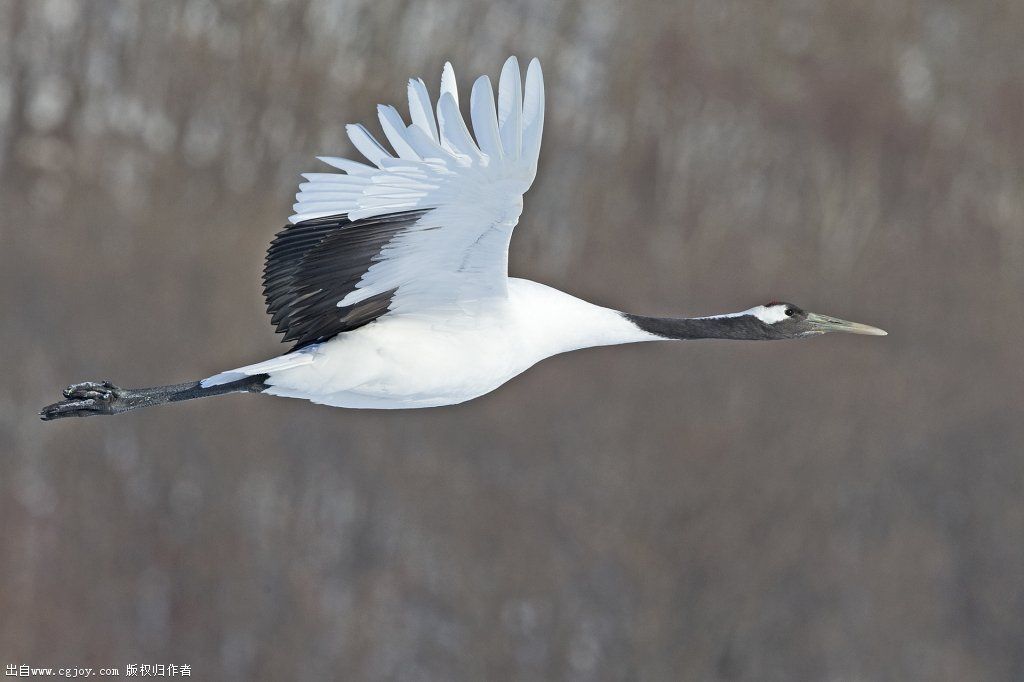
x=454, y=357
x=392, y=280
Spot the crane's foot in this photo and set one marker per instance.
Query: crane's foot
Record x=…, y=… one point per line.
x=88, y=399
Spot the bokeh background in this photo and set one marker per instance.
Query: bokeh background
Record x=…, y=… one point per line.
x=843, y=508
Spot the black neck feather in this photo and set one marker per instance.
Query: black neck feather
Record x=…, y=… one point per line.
x=740, y=327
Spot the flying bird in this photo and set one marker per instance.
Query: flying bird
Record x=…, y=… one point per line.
x=391, y=280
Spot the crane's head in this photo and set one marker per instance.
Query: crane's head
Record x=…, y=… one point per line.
x=783, y=320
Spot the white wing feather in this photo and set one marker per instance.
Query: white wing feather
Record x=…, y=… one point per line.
x=472, y=188
x=420, y=109
x=485, y=118
x=394, y=129
x=510, y=108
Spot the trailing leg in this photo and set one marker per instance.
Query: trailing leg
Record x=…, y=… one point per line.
x=92, y=398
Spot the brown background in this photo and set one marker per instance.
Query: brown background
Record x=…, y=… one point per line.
x=844, y=508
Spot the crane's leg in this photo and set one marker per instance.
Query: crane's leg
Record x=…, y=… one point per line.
x=102, y=397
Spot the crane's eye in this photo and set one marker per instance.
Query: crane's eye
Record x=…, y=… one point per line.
x=790, y=312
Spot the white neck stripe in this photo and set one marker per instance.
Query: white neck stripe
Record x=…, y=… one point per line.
x=767, y=314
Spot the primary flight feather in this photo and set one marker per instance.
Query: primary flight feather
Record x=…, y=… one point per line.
x=392, y=284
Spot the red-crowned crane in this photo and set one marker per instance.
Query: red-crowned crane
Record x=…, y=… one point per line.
x=392, y=278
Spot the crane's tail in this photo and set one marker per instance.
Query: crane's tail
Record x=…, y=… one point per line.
x=92, y=398
x=290, y=360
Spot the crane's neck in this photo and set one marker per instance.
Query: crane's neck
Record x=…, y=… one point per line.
x=735, y=326
x=549, y=321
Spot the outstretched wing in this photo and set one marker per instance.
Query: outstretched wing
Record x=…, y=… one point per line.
x=424, y=228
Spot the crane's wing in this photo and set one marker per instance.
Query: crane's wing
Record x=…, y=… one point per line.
x=424, y=228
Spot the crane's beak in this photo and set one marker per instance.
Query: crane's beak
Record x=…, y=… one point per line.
x=823, y=323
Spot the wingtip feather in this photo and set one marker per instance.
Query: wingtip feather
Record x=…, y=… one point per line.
x=533, y=111
x=394, y=129
x=485, y=117
x=448, y=82
x=510, y=107
x=421, y=110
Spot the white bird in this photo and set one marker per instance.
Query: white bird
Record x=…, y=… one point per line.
x=392, y=278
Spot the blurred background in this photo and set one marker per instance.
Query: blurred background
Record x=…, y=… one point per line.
x=843, y=508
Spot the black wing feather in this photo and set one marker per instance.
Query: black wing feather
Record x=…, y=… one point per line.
x=314, y=264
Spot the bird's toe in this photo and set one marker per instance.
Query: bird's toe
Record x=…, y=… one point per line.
x=72, y=408
x=96, y=390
